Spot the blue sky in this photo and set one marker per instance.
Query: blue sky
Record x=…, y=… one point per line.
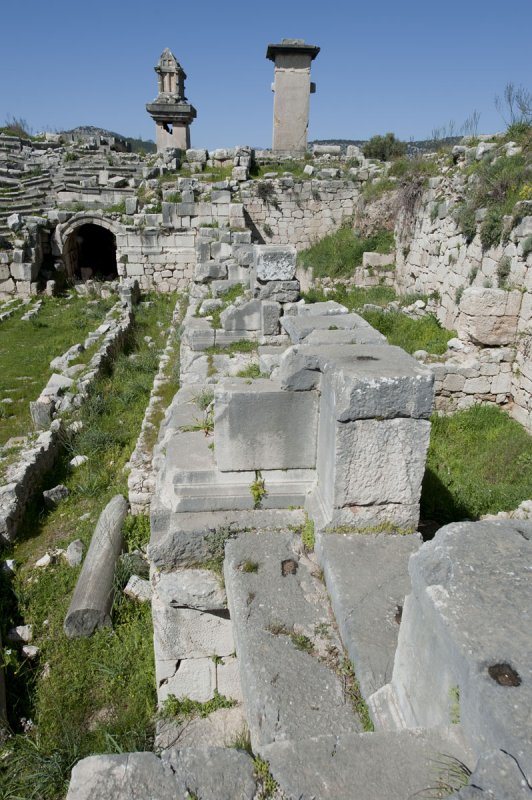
x=384, y=66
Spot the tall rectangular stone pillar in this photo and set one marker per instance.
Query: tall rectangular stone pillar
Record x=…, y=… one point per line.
x=292, y=88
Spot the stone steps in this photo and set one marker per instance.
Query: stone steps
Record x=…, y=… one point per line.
x=289, y=655
x=366, y=766
x=367, y=580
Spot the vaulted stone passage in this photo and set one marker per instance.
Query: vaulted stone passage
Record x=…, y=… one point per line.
x=90, y=252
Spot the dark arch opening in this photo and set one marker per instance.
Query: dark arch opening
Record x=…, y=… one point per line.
x=90, y=253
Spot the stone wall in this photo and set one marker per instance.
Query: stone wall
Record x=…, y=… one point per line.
x=298, y=213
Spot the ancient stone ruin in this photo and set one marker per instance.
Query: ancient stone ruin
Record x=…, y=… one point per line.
x=357, y=657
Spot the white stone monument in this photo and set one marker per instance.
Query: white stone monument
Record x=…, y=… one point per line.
x=171, y=110
x=292, y=88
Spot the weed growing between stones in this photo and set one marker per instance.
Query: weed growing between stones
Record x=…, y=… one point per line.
x=308, y=535
x=454, y=700
x=268, y=785
x=242, y=346
x=479, y=462
x=451, y=775
x=249, y=566
x=302, y=642
x=353, y=694
x=252, y=372
x=258, y=490
x=242, y=741
x=180, y=710
x=216, y=545
x=206, y=424
x=84, y=696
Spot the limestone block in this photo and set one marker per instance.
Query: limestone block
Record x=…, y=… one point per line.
x=377, y=260
x=489, y=316
x=270, y=313
x=246, y=317
x=210, y=270
x=280, y=291
x=480, y=385
x=212, y=773
x=191, y=588
x=228, y=679
x=123, y=776
x=327, y=150
x=453, y=383
x=380, y=461
x=469, y=612
x=501, y=383
x=194, y=678
x=259, y=426
x=186, y=633
x=24, y=272
x=117, y=182
x=274, y=262
x=300, y=326
x=198, y=155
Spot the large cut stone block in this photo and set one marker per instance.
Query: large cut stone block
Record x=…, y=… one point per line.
x=259, y=426
x=464, y=643
x=489, y=316
x=301, y=326
x=380, y=461
x=186, y=633
x=122, y=777
x=246, y=317
x=275, y=263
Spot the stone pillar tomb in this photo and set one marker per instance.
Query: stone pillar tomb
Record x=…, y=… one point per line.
x=292, y=87
x=170, y=109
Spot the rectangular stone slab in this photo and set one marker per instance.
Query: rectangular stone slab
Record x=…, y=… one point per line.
x=259, y=426
x=367, y=579
x=288, y=693
x=299, y=327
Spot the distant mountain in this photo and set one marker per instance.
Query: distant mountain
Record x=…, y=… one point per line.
x=137, y=145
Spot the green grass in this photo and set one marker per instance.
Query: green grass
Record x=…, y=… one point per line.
x=99, y=695
x=26, y=349
x=181, y=710
x=338, y=254
x=353, y=297
x=479, y=462
x=424, y=333
x=242, y=346
x=295, y=168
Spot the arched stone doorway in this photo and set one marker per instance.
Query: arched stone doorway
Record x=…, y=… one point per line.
x=89, y=253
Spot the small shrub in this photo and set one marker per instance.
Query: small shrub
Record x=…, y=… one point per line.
x=473, y=272
x=264, y=777
x=458, y=295
x=252, y=372
x=503, y=271
x=384, y=148
x=71, y=156
x=308, y=535
x=258, y=490
x=526, y=247
x=491, y=228
x=466, y=221
x=267, y=230
x=302, y=642
x=265, y=191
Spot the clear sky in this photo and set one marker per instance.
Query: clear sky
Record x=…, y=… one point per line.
x=384, y=65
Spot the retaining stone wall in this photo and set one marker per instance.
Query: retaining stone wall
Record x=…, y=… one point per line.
x=299, y=213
